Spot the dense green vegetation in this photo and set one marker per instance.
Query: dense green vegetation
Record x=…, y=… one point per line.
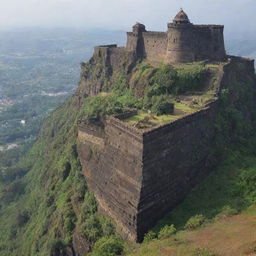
x=44, y=199
x=162, y=84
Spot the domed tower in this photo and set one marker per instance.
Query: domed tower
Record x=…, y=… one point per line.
x=181, y=18
x=180, y=46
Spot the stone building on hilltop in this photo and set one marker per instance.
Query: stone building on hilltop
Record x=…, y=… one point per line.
x=183, y=42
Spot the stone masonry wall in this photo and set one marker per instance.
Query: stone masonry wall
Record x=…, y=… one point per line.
x=137, y=175
x=176, y=157
x=181, y=43
x=155, y=44
x=210, y=42
x=114, y=174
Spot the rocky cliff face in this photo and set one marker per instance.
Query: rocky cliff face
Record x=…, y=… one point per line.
x=103, y=69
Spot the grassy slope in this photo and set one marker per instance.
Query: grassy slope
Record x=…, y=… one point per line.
x=232, y=186
x=40, y=214
x=48, y=201
x=44, y=180
x=40, y=211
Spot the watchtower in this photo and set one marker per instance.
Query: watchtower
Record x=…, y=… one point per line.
x=180, y=36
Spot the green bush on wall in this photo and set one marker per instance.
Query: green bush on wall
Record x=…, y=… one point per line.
x=195, y=221
x=162, y=107
x=167, y=231
x=149, y=236
x=108, y=246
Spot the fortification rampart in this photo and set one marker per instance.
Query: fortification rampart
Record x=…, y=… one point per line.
x=183, y=42
x=176, y=157
x=113, y=173
x=138, y=175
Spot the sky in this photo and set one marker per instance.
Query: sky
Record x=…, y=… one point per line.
x=236, y=15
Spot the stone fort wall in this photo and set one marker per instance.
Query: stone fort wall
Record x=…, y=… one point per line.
x=137, y=175
x=182, y=42
x=176, y=157
x=113, y=172
x=185, y=43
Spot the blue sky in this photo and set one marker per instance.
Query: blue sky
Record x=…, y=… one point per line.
x=122, y=14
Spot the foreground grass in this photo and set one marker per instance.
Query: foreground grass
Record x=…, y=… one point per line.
x=227, y=201
x=218, y=238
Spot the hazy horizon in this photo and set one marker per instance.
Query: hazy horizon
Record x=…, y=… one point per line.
x=238, y=16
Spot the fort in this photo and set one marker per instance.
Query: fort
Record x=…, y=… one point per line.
x=183, y=42
x=139, y=175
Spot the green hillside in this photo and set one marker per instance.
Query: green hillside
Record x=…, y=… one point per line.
x=46, y=208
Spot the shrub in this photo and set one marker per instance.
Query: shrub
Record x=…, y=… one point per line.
x=99, y=106
x=162, y=108
x=164, y=80
x=57, y=247
x=167, y=231
x=226, y=211
x=190, y=78
x=69, y=224
x=49, y=200
x=154, y=90
x=12, y=173
x=247, y=183
x=120, y=85
x=12, y=233
x=195, y=221
x=92, y=228
x=22, y=218
x=89, y=206
x=12, y=191
x=224, y=95
x=129, y=101
x=108, y=246
x=149, y=236
x=66, y=170
x=107, y=227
